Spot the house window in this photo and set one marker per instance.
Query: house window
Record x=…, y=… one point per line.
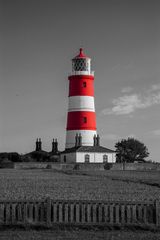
x=85, y=119
x=105, y=158
x=64, y=158
x=86, y=158
x=84, y=84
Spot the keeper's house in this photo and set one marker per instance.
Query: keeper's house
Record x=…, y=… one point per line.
x=88, y=154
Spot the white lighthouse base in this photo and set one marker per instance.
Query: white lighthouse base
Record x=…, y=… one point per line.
x=87, y=137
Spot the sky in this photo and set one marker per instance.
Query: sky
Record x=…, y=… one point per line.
x=38, y=39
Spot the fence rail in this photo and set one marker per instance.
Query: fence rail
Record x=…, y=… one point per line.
x=107, y=213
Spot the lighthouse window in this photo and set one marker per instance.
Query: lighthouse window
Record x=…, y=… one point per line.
x=80, y=65
x=85, y=120
x=84, y=84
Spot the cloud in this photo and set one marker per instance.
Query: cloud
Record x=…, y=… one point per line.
x=129, y=103
x=126, y=89
x=155, y=87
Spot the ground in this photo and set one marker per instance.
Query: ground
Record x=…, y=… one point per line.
x=78, y=235
x=102, y=185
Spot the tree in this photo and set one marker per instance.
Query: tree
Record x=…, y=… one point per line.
x=130, y=150
x=12, y=156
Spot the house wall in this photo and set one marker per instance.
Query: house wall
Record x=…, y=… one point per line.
x=95, y=157
x=70, y=157
x=79, y=157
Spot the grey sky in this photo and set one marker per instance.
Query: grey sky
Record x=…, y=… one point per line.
x=38, y=40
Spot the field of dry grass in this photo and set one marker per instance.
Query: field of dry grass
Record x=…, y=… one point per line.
x=101, y=185
x=77, y=235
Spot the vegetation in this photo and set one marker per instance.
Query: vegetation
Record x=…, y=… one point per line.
x=102, y=185
x=130, y=150
x=35, y=156
x=11, y=156
x=78, y=234
x=98, y=185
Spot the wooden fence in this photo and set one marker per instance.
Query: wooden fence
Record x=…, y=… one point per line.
x=99, y=213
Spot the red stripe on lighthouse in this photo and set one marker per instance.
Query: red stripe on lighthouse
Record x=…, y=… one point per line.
x=81, y=85
x=81, y=120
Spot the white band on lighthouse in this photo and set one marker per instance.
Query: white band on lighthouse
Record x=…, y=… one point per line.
x=81, y=103
x=87, y=137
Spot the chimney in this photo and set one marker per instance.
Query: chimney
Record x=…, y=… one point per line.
x=53, y=146
x=76, y=140
x=98, y=140
x=94, y=140
x=80, y=140
x=40, y=145
x=56, y=146
x=37, y=144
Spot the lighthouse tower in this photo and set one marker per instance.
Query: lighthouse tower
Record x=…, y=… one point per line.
x=81, y=119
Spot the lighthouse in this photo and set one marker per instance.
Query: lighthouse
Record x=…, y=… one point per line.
x=82, y=141
x=81, y=117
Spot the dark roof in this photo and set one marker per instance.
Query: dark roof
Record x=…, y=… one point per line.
x=40, y=152
x=54, y=153
x=88, y=149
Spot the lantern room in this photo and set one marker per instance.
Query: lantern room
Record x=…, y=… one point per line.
x=81, y=64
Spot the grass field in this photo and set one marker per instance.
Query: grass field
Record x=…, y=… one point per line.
x=78, y=235
x=101, y=185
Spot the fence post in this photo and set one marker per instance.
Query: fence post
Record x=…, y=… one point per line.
x=48, y=215
x=157, y=203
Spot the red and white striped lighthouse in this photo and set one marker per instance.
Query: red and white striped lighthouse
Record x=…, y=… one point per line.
x=81, y=120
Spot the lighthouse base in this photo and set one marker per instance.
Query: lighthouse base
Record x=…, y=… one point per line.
x=87, y=137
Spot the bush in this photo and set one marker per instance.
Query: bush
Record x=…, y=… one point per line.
x=49, y=166
x=108, y=166
x=76, y=167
